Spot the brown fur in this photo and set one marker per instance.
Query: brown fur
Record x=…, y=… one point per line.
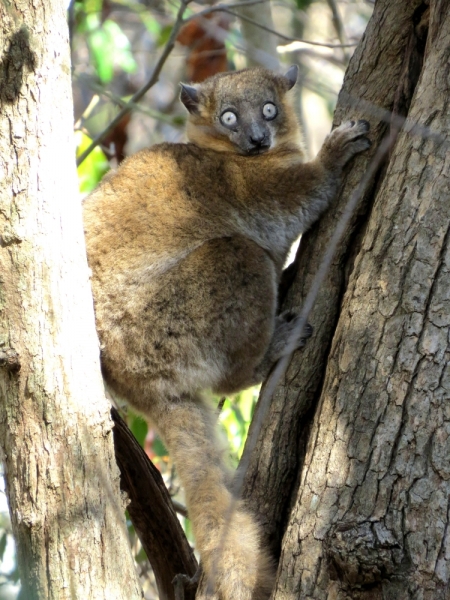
x=186, y=243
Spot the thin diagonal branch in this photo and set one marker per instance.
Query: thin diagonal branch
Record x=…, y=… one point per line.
x=286, y=37
x=338, y=24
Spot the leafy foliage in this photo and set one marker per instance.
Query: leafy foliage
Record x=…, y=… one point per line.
x=108, y=45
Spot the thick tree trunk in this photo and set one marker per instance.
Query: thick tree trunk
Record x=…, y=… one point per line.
x=55, y=430
x=355, y=448
x=371, y=84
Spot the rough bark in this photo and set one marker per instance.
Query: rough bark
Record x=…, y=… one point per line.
x=371, y=83
x=372, y=512
x=55, y=430
x=365, y=406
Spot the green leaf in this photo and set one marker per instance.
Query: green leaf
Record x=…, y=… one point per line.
x=152, y=25
x=141, y=556
x=3, y=542
x=109, y=47
x=164, y=35
x=139, y=429
x=92, y=169
x=92, y=6
x=158, y=447
x=102, y=53
x=303, y=4
x=123, y=56
x=188, y=529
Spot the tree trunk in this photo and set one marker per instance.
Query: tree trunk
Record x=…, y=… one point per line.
x=55, y=429
x=355, y=448
x=260, y=44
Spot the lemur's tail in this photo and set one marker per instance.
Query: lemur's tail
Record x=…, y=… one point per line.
x=226, y=533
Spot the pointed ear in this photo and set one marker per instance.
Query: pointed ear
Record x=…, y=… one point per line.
x=291, y=76
x=189, y=97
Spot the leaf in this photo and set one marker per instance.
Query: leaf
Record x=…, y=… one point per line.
x=158, y=447
x=239, y=417
x=103, y=54
x=92, y=169
x=92, y=6
x=303, y=4
x=141, y=556
x=139, y=429
x=110, y=48
x=164, y=36
x=122, y=55
x=3, y=542
x=188, y=529
x=152, y=25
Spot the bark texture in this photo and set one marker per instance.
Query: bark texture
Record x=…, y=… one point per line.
x=371, y=86
x=370, y=512
x=55, y=430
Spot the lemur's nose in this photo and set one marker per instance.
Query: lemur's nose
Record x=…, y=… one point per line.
x=257, y=138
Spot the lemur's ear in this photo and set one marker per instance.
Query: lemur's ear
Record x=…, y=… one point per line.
x=189, y=97
x=291, y=76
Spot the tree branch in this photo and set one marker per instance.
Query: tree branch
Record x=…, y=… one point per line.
x=152, y=513
x=338, y=25
x=281, y=35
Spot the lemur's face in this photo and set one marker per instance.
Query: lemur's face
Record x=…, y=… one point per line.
x=245, y=112
x=249, y=121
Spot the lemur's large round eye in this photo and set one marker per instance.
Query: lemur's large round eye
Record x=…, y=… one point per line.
x=228, y=118
x=269, y=111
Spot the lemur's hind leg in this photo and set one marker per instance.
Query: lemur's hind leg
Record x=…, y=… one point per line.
x=226, y=534
x=286, y=324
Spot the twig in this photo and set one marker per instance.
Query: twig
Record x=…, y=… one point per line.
x=220, y=404
x=228, y=8
x=116, y=99
x=330, y=57
x=180, y=508
x=338, y=25
x=144, y=89
x=222, y=7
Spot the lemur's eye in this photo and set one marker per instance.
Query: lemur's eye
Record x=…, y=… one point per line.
x=228, y=118
x=269, y=111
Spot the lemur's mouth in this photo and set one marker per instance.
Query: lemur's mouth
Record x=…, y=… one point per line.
x=258, y=150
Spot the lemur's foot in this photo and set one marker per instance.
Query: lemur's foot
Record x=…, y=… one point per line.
x=347, y=140
x=286, y=324
x=181, y=582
